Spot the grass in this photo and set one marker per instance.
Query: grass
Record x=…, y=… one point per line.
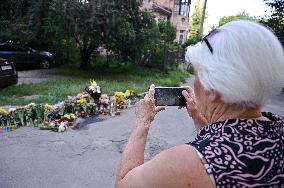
x=115, y=78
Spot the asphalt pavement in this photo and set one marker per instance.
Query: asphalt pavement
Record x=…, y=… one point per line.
x=40, y=75
x=89, y=157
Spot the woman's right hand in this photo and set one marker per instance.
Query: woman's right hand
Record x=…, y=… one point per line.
x=199, y=119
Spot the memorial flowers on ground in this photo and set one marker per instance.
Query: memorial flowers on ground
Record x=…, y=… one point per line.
x=61, y=116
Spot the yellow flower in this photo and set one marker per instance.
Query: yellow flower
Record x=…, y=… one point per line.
x=93, y=83
x=3, y=112
x=48, y=107
x=13, y=127
x=72, y=116
x=119, y=96
x=82, y=101
x=127, y=93
x=67, y=116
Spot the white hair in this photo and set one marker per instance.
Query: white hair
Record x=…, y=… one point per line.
x=246, y=66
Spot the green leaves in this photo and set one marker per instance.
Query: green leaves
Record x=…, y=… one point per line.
x=276, y=19
x=195, y=20
x=68, y=27
x=240, y=16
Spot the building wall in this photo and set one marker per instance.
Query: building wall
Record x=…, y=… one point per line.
x=178, y=21
x=165, y=3
x=181, y=24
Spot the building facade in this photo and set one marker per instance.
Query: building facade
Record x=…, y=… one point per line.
x=176, y=11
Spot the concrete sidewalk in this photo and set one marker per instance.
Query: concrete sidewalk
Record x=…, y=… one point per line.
x=85, y=158
x=89, y=157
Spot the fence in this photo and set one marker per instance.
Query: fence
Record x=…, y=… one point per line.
x=174, y=58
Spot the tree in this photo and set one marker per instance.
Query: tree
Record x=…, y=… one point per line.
x=85, y=27
x=107, y=13
x=195, y=22
x=130, y=24
x=30, y=22
x=240, y=16
x=202, y=19
x=167, y=30
x=12, y=20
x=276, y=19
x=81, y=26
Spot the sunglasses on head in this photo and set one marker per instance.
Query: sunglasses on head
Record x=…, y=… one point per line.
x=205, y=39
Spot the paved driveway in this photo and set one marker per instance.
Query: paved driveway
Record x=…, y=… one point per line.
x=39, y=75
x=88, y=157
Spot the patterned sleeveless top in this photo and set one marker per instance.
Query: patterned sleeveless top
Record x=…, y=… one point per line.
x=244, y=153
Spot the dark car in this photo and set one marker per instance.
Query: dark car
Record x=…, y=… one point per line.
x=8, y=73
x=24, y=57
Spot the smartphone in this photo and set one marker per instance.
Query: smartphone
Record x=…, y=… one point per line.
x=169, y=96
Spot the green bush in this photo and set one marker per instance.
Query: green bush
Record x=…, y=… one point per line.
x=191, y=41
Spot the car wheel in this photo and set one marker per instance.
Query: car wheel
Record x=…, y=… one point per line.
x=44, y=64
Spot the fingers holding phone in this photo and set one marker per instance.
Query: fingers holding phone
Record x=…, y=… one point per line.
x=146, y=109
x=190, y=91
x=151, y=98
x=190, y=101
x=199, y=119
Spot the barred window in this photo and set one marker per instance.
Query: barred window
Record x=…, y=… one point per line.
x=182, y=7
x=182, y=36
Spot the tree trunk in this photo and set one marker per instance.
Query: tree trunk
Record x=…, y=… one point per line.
x=67, y=57
x=85, y=59
x=107, y=58
x=202, y=19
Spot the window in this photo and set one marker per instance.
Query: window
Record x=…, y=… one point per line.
x=182, y=7
x=7, y=47
x=181, y=36
x=2, y=48
x=176, y=7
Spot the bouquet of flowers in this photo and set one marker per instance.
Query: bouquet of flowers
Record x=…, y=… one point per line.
x=3, y=117
x=94, y=90
x=123, y=100
x=62, y=115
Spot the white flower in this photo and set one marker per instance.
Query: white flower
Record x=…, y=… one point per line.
x=62, y=127
x=98, y=89
x=52, y=124
x=59, y=105
x=11, y=109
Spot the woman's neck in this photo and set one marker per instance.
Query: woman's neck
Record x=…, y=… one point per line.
x=221, y=111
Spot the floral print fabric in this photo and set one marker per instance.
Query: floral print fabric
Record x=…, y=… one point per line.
x=244, y=152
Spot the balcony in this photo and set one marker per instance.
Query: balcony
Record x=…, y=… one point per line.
x=162, y=10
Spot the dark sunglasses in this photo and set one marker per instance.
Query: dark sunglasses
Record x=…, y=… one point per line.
x=205, y=39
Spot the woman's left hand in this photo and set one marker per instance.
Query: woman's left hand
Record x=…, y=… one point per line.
x=146, y=109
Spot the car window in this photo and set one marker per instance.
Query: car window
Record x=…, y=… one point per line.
x=7, y=48
x=22, y=49
x=3, y=48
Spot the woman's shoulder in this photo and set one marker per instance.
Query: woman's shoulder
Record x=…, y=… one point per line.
x=178, y=166
x=241, y=147
x=269, y=124
x=186, y=166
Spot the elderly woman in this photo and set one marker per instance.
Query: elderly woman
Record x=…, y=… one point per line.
x=237, y=67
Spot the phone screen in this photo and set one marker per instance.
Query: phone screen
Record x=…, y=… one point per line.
x=169, y=96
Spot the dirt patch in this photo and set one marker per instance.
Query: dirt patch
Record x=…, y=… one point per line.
x=31, y=97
